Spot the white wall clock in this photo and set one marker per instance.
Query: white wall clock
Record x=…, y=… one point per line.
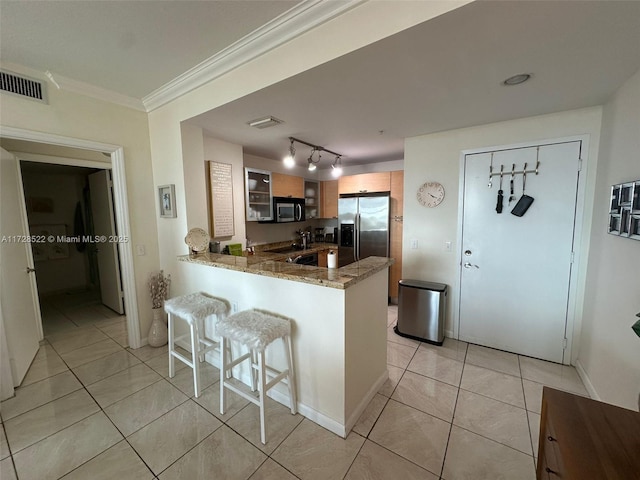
x=430, y=194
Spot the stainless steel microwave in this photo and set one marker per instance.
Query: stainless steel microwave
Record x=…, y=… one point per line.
x=288, y=209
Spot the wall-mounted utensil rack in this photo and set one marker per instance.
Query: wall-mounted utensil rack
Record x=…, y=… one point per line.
x=624, y=210
x=513, y=171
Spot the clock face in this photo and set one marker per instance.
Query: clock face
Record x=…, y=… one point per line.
x=430, y=194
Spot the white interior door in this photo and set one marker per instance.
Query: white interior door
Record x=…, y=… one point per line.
x=107, y=251
x=18, y=297
x=515, y=271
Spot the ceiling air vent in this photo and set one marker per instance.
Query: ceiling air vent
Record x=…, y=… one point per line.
x=23, y=86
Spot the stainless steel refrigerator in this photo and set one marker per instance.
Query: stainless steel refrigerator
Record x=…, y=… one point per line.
x=363, y=226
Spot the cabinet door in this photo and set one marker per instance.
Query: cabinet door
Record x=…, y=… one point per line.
x=311, y=199
x=258, y=195
x=286, y=185
x=365, y=182
x=395, y=231
x=329, y=199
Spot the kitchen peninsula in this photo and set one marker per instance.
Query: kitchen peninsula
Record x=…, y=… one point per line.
x=339, y=324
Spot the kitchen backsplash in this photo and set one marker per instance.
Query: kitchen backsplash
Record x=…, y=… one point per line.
x=261, y=233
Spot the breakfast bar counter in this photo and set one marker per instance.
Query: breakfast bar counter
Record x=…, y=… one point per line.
x=339, y=324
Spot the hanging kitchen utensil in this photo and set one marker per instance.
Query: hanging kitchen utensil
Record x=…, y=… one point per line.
x=511, y=196
x=525, y=200
x=490, y=171
x=500, y=196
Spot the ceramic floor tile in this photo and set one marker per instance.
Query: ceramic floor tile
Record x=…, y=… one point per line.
x=114, y=329
x=562, y=377
x=210, y=399
x=419, y=437
x=87, y=354
x=426, y=394
x=143, y=407
x=492, y=359
x=306, y=451
x=123, y=384
x=490, y=418
x=122, y=340
x=148, y=352
x=183, y=379
x=399, y=355
x=4, y=446
x=108, y=313
x=39, y=393
x=104, y=367
x=392, y=336
x=279, y=423
x=271, y=470
x=534, y=427
x=533, y=395
x=82, y=338
x=119, y=461
x=224, y=452
x=496, y=385
x=84, y=315
x=45, y=352
x=450, y=348
x=36, y=424
x=431, y=364
x=377, y=463
x=370, y=415
x=70, y=335
x=168, y=438
x=395, y=374
x=58, y=454
x=472, y=457
x=160, y=364
x=7, y=472
x=41, y=369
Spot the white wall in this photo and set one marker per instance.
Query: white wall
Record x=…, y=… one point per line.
x=77, y=116
x=436, y=157
x=609, y=350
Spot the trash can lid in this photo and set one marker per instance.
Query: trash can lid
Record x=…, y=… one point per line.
x=439, y=287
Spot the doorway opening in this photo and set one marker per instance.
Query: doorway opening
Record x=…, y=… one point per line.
x=70, y=208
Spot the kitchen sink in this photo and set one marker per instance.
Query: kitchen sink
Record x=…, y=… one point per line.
x=287, y=249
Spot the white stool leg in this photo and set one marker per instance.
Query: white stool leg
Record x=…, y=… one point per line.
x=291, y=382
x=195, y=358
x=262, y=394
x=223, y=368
x=172, y=360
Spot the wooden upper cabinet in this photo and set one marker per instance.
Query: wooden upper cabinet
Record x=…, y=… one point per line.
x=365, y=182
x=287, y=185
x=329, y=197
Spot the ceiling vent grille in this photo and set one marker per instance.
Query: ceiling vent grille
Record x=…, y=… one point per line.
x=23, y=86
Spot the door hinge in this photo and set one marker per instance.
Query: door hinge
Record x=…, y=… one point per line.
x=572, y=257
x=121, y=293
x=564, y=343
x=579, y=164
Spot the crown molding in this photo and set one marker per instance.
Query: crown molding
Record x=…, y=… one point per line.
x=305, y=16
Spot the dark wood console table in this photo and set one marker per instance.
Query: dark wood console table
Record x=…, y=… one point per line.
x=583, y=439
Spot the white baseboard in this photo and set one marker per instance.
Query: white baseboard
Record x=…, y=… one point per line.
x=587, y=381
x=353, y=418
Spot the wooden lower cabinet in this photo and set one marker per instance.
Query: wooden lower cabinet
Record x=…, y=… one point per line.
x=584, y=439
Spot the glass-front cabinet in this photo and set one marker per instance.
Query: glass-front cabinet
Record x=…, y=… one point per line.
x=311, y=199
x=257, y=187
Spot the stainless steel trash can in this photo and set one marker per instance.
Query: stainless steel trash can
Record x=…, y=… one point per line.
x=421, y=310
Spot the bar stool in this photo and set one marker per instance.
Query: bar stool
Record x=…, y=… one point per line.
x=194, y=309
x=256, y=330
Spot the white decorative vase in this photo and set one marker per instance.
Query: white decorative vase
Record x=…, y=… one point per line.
x=158, y=331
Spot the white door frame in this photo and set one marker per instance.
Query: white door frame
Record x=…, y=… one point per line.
x=121, y=210
x=579, y=256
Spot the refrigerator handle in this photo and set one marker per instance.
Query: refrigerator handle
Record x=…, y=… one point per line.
x=356, y=247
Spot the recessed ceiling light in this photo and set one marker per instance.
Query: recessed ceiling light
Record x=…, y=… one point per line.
x=265, y=122
x=517, y=79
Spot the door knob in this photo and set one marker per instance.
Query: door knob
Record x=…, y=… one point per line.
x=469, y=265
x=467, y=253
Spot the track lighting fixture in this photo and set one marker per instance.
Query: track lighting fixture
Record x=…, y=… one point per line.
x=289, y=160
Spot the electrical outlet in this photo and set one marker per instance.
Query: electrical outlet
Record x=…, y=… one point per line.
x=414, y=244
x=234, y=307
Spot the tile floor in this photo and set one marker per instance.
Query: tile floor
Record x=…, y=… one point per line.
x=91, y=408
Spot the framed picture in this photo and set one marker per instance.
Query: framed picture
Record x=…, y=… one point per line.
x=167, y=196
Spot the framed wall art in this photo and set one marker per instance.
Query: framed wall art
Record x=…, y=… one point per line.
x=167, y=197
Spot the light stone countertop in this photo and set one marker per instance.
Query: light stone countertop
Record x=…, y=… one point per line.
x=273, y=265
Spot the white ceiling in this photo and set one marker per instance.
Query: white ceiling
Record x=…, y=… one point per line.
x=440, y=75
